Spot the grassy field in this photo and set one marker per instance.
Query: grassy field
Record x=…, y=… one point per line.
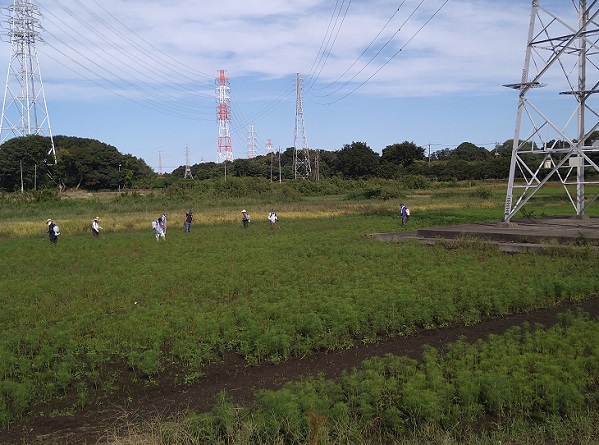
x=70, y=310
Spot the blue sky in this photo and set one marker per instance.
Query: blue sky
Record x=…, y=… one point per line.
x=140, y=74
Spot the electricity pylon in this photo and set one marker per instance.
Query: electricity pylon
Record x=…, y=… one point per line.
x=187, y=174
x=553, y=137
x=301, y=153
x=24, y=109
x=223, y=112
x=252, y=153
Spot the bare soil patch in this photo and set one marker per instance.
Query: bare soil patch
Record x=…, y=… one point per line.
x=135, y=403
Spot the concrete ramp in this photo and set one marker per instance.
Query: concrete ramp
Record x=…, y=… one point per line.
x=518, y=236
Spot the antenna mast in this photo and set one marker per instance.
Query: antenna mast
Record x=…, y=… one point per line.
x=24, y=109
x=225, y=151
x=301, y=153
x=544, y=147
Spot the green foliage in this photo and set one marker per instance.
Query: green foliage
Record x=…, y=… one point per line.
x=93, y=165
x=94, y=305
x=357, y=160
x=529, y=376
x=27, y=158
x=415, y=182
x=482, y=194
x=402, y=154
x=467, y=151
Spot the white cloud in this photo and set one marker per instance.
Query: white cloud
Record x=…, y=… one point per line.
x=469, y=44
x=168, y=55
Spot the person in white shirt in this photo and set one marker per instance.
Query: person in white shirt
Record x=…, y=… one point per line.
x=96, y=226
x=162, y=221
x=272, y=218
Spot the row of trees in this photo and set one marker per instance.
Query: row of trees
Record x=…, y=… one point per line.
x=357, y=160
x=93, y=165
x=80, y=163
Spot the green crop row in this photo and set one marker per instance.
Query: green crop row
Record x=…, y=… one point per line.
x=76, y=314
x=529, y=375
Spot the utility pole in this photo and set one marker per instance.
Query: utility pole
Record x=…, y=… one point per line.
x=223, y=112
x=429, y=153
x=301, y=153
x=565, y=52
x=24, y=109
x=160, y=163
x=280, y=177
x=269, y=153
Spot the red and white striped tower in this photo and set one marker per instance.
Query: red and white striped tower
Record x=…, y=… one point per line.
x=269, y=147
x=223, y=111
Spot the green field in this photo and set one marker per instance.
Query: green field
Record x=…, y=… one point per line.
x=73, y=312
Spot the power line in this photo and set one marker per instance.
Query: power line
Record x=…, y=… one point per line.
x=369, y=45
x=378, y=52
x=322, y=55
x=392, y=57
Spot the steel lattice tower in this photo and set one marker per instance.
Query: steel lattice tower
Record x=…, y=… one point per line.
x=251, y=142
x=301, y=153
x=225, y=151
x=24, y=109
x=564, y=52
x=187, y=174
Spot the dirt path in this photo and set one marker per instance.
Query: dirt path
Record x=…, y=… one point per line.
x=137, y=403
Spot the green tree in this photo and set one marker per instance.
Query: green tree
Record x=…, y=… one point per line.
x=91, y=164
x=357, y=160
x=441, y=155
x=467, y=151
x=256, y=167
x=29, y=155
x=402, y=154
x=327, y=161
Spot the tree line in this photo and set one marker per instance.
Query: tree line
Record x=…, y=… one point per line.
x=81, y=163
x=92, y=165
x=358, y=161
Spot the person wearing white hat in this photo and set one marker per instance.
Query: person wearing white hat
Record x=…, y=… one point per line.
x=96, y=226
x=245, y=219
x=53, y=231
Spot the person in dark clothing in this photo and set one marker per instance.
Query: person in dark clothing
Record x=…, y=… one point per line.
x=53, y=231
x=188, y=219
x=245, y=219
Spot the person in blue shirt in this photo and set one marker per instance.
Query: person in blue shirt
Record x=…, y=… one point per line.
x=405, y=214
